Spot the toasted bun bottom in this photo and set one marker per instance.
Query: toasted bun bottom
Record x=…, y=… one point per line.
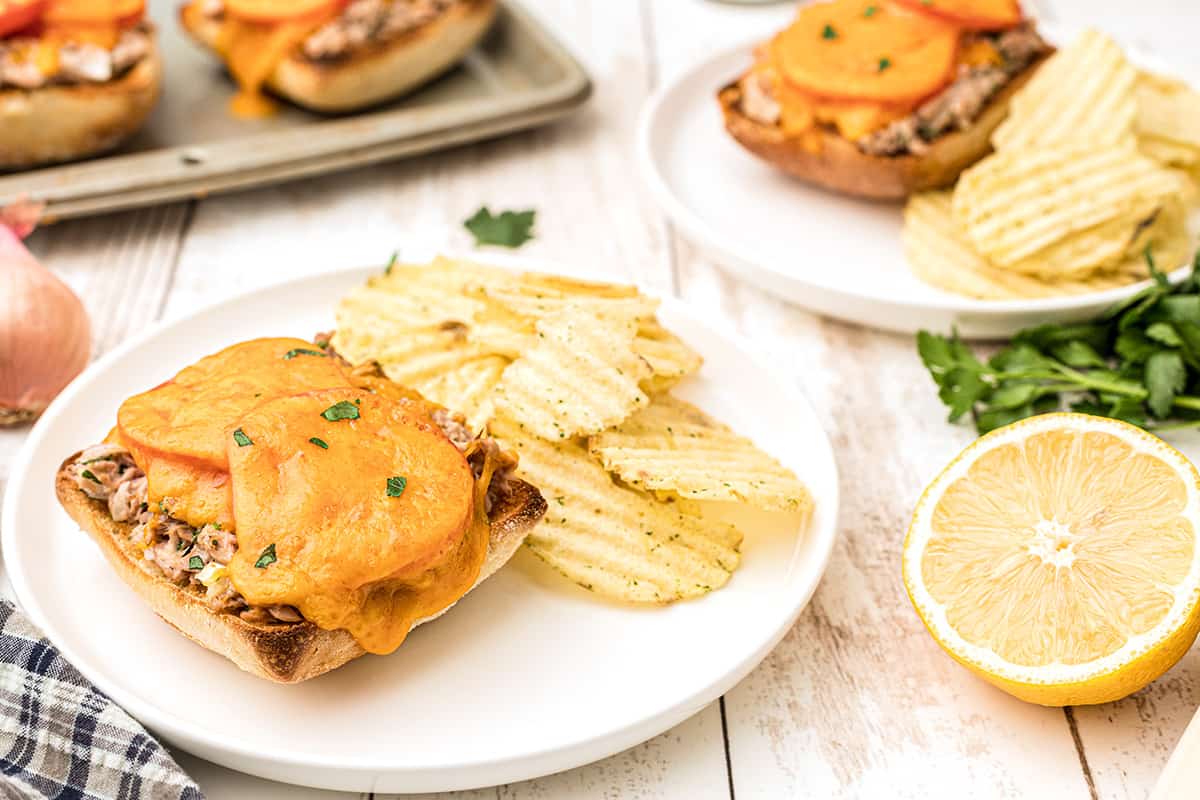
x=284, y=652
x=376, y=72
x=61, y=123
x=839, y=165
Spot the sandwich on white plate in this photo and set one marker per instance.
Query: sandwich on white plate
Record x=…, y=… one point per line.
x=291, y=512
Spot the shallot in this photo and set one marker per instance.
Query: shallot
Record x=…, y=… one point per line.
x=45, y=338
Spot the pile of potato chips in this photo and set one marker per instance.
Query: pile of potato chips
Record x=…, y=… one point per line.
x=575, y=377
x=1090, y=174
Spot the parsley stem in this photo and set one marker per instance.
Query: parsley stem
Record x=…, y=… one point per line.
x=1022, y=376
x=1101, y=385
x=1057, y=388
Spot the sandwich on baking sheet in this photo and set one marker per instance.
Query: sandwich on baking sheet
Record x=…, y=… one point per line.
x=335, y=55
x=883, y=98
x=290, y=512
x=77, y=77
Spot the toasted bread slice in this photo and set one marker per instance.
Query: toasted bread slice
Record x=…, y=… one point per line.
x=280, y=652
x=61, y=123
x=839, y=165
x=375, y=72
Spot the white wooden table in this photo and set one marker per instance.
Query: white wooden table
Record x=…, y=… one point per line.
x=857, y=701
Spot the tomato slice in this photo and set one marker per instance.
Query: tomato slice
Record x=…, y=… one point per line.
x=68, y=13
x=16, y=15
x=976, y=15
x=268, y=11
x=866, y=51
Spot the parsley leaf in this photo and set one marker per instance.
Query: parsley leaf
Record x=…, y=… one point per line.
x=319, y=443
x=1136, y=362
x=509, y=229
x=1165, y=378
x=87, y=474
x=267, y=558
x=341, y=410
x=396, y=486
x=1079, y=354
x=195, y=562
x=241, y=438
x=300, y=351
x=828, y=32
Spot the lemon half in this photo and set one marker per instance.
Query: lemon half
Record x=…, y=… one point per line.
x=1057, y=558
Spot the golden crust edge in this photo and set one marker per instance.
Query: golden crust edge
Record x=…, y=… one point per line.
x=283, y=653
x=841, y=167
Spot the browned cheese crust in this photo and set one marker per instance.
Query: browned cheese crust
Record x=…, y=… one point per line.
x=838, y=164
x=280, y=652
x=376, y=72
x=61, y=123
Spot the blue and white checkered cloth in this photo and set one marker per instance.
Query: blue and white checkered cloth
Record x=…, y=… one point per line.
x=61, y=738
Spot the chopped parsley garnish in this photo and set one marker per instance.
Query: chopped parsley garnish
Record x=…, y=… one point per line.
x=828, y=32
x=396, y=485
x=509, y=229
x=195, y=562
x=391, y=263
x=241, y=438
x=301, y=351
x=342, y=410
x=870, y=11
x=89, y=475
x=319, y=443
x=884, y=63
x=267, y=558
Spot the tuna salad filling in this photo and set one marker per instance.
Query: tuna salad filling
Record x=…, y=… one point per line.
x=360, y=24
x=27, y=63
x=955, y=108
x=196, y=558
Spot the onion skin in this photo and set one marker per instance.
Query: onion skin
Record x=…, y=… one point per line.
x=45, y=337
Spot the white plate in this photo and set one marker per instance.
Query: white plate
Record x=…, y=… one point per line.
x=835, y=255
x=528, y=675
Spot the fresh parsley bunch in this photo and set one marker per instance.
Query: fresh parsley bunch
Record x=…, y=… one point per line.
x=1139, y=362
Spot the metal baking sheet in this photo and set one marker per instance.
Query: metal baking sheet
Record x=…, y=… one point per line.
x=518, y=77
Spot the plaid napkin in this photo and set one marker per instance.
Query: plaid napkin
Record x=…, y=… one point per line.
x=61, y=738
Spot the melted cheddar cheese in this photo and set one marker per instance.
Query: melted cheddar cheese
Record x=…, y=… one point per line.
x=375, y=517
x=803, y=114
x=352, y=553
x=252, y=51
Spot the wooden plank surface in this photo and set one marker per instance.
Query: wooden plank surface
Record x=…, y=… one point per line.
x=857, y=701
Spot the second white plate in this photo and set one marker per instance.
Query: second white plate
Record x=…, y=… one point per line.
x=835, y=255
x=528, y=675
